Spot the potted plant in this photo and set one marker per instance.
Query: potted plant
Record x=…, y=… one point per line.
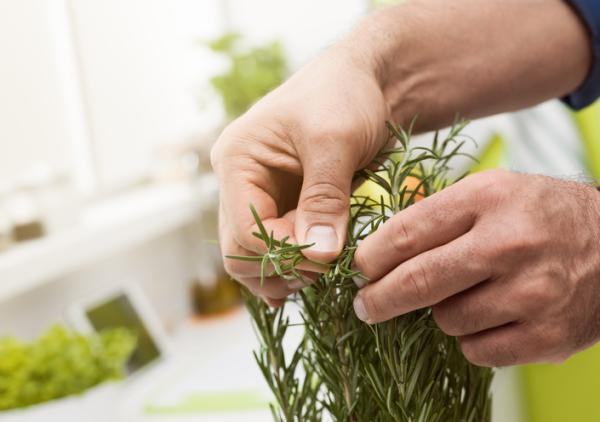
x=402, y=370
x=251, y=74
x=61, y=375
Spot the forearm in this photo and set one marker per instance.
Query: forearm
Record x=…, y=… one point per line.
x=437, y=58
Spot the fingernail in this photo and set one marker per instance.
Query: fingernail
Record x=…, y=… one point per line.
x=323, y=238
x=359, y=281
x=359, y=309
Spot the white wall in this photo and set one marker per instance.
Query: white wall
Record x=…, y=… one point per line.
x=138, y=88
x=305, y=27
x=34, y=104
x=90, y=88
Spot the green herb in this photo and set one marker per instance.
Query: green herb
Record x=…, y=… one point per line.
x=59, y=364
x=405, y=369
x=251, y=75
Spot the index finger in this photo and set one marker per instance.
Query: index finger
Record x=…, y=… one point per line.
x=424, y=280
x=430, y=223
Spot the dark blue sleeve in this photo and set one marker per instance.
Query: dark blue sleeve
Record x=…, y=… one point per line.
x=589, y=91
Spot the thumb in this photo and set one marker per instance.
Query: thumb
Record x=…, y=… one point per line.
x=323, y=208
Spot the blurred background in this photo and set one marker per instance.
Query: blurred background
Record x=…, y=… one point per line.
x=108, y=110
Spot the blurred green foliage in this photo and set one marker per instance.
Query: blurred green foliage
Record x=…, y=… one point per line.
x=252, y=73
x=60, y=363
x=379, y=3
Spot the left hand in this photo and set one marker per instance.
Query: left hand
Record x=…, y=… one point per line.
x=509, y=262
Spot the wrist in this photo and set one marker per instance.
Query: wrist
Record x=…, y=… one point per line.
x=378, y=47
x=362, y=50
x=471, y=58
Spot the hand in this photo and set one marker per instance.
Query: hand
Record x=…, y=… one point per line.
x=293, y=157
x=509, y=262
x=294, y=153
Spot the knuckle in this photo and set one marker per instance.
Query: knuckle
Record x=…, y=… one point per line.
x=324, y=133
x=489, y=184
x=490, y=353
x=551, y=339
x=325, y=198
x=538, y=294
x=514, y=249
x=419, y=285
x=444, y=320
x=401, y=238
x=488, y=254
x=519, y=244
x=451, y=319
x=473, y=353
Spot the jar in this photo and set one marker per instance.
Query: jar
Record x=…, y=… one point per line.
x=214, y=293
x=6, y=227
x=25, y=214
x=6, y=238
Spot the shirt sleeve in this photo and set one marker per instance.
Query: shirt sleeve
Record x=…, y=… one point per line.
x=589, y=91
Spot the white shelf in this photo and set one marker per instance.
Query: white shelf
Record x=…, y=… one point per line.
x=104, y=229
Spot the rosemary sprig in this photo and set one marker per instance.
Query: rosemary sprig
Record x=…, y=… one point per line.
x=284, y=257
x=401, y=370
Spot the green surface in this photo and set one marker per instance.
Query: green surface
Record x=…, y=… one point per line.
x=492, y=156
x=588, y=122
x=235, y=401
x=569, y=392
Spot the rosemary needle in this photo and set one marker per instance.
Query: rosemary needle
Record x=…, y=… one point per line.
x=404, y=370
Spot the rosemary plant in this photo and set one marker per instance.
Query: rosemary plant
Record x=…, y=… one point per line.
x=401, y=370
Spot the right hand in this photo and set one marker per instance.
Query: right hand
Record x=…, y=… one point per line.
x=293, y=156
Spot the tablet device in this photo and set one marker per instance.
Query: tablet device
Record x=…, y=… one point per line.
x=128, y=308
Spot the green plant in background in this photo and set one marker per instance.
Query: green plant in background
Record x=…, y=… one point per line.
x=405, y=369
x=60, y=363
x=252, y=73
x=379, y=3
